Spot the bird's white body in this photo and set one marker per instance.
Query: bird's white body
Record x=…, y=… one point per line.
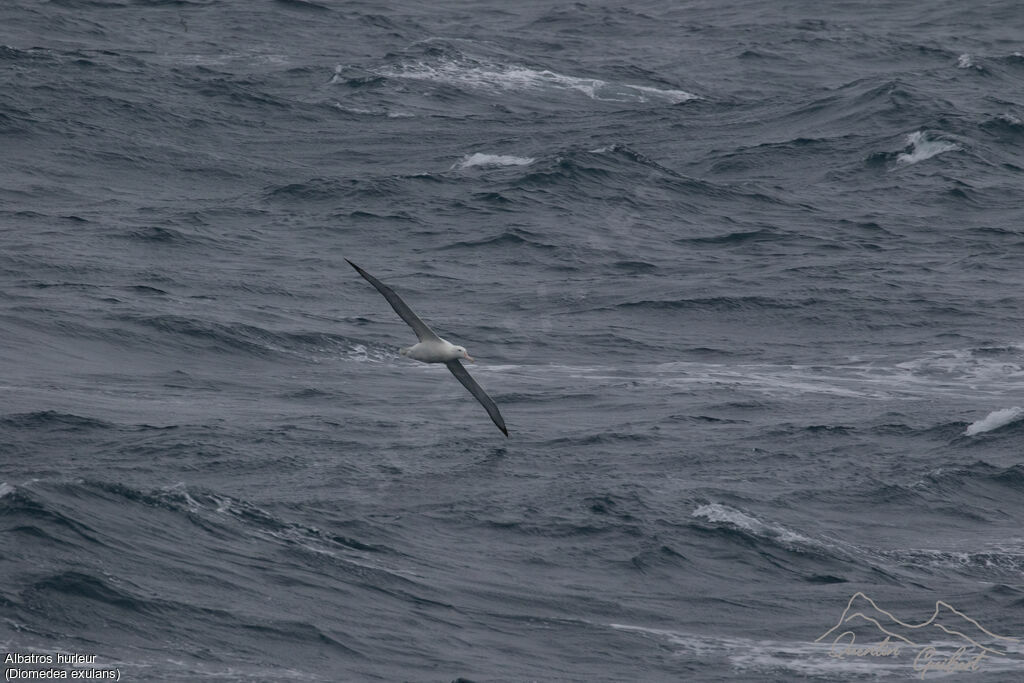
x=433, y=349
x=440, y=351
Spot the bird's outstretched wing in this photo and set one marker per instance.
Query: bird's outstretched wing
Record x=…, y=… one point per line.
x=467, y=381
x=423, y=332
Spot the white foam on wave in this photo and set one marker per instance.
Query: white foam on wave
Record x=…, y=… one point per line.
x=723, y=514
x=996, y=560
x=361, y=354
x=485, y=160
x=991, y=561
x=923, y=147
x=982, y=376
x=961, y=372
x=776, y=380
x=360, y=111
x=1005, y=558
x=5, y=489
x=512, y=77
x=775, y=656
x=994, y=420
x=965, y=61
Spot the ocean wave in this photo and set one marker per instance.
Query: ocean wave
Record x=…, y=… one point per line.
x=979, y=370
x=33, y=515
x=966, y=61
x=53, y=420
x=719, y=303
x=496, y=77
x=360, y=353
x=1005, y=125
x=719, y=514
x=780, y=659
x=769, y=658
x=508, y=238
x=485, y=160
x=442, y=62
x=364, y=111
x=633, y=156
x=974, y=373
x=169, y=236
x=998, y=561
x=213, y=506
x=994, y=420
x=922, y=146
x=236, y=337
x=305, y=5
x=333, y=190
x=994, y=561
x=137, y=615
x=41, y=504
x=946, y=480
x=734, y=238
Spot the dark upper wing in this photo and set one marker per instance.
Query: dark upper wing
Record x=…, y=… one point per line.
x=463, y=376
x=423, y=332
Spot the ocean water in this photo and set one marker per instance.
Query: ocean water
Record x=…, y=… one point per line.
x=744, y=278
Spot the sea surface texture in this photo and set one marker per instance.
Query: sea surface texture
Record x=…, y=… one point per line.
x=745, y=279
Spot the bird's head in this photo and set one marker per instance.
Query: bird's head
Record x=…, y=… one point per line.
x=461, y=350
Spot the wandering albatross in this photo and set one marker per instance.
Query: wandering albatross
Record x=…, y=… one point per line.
x=433, y=349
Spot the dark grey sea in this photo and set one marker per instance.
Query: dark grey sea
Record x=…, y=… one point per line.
x=745, y=279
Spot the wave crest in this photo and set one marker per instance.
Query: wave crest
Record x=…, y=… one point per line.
x=922, y=146
x=484, y=160
x=994, y=420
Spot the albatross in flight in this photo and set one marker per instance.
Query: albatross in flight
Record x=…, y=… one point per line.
x=432, y=349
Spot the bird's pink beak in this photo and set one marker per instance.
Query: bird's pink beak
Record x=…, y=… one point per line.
x=466, y=356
